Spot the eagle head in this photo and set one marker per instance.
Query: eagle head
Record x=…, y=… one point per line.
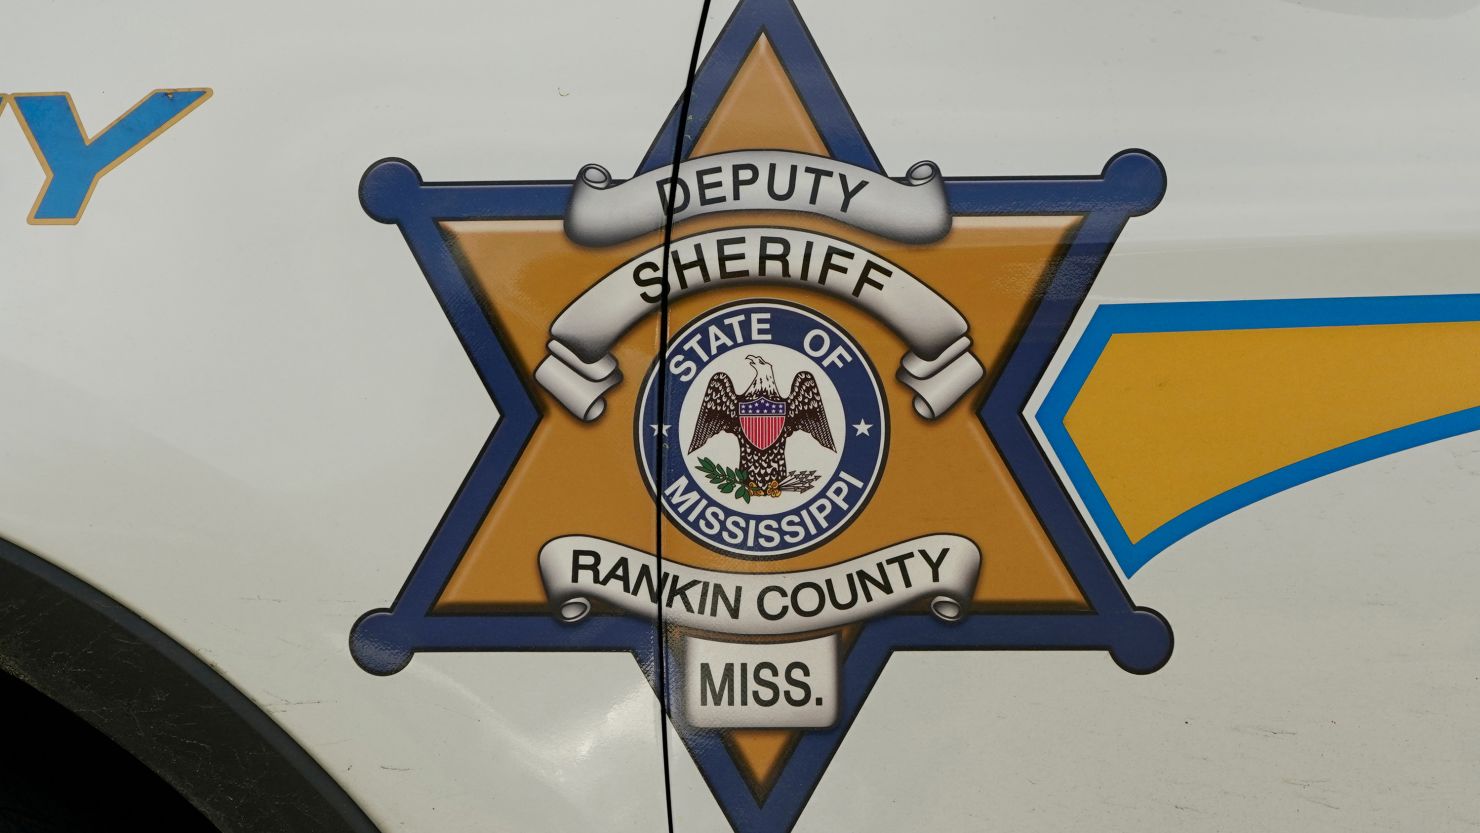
x=764, y=383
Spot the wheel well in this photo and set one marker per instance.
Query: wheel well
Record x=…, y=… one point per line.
x=64, y=775
x=151, y=696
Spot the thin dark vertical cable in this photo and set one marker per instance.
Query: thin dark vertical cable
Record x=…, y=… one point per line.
x=662, y=377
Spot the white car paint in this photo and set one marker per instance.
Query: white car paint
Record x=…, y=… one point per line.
x=228, y=399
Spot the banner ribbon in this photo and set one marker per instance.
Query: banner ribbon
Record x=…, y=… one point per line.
x=939, y=366
x=939, y=569
x=912, y=209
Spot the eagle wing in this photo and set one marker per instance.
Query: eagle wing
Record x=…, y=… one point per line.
x=717, y=413
x=804, y=411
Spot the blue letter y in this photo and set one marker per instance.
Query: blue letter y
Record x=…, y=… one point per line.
x=73, y=162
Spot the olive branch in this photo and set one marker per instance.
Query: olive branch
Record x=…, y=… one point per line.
x=729, y=481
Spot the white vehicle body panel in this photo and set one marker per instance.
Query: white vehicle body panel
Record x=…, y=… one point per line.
x=228, y=399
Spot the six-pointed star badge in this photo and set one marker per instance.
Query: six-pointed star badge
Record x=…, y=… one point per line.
x=767, y=452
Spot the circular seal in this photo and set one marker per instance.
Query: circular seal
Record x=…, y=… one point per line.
x=775, y=433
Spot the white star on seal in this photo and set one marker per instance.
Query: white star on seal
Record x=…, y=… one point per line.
x=656, y=430
x=862, y=428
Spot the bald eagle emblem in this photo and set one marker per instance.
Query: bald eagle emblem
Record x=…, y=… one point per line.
x=762, y=420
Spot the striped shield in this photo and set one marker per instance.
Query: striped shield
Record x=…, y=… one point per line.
x=762, y=420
